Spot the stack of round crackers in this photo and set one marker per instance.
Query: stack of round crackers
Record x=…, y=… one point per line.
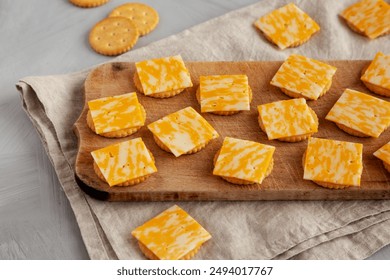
x=119, y=32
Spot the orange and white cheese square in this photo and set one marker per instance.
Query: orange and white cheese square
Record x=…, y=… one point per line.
x=378, y=72
x=287, y=26
x=331, y=161
x=172, y=234
x=287, y=118
x=384, y=153
x=183, y=131
x=370, y=17
x=304, y=76
x=224, y=93
x=361, y=112
x=114, y=113
x=163, y=74
x=124, y=161
x=242, y=159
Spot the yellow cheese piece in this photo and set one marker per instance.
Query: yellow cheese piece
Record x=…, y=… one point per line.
x=370, y=17
x=224, y=93
x=304, y=76
x=287, y=26
x=183, y=130
x=361, y=112
x=287, y=118
x=114, y=113
x=124, y=161
x=242, y=159
x=332, y=161
x=384, y=153
x=378, y=72
x=172, y=234
x=163, y=74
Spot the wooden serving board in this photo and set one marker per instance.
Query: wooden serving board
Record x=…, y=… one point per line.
x=189, y=177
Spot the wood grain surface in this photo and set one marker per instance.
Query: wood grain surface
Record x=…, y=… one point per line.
x=189, y=177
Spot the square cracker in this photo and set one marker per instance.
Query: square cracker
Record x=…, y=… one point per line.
x=172, y=234
x=331, y=161
x=163, y=74
x=287, y=26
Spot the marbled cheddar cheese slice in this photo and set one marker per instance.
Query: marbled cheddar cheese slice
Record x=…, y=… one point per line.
x=183, y=130
x=370, y=17
x=224, y=93
x=332, y=161
x=287, y=26
x=304, y=76
x=114, y=113
x=287, y=118
x=163, y=74
x=378, y=72
x=172, y=234
x=242, y=159
x=361, y=112
x=124, y=161
x=384, y=153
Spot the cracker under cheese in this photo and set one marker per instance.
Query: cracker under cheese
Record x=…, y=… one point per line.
x=304, y=77
x=163, y=75
x=361, y=112
x=384, y=153
x=368, y=17
x=183, y=131
x=224, y=93
x=287, y=26
x=244, y=160
x=124, y=161
x=378, y=74
x=115, y=113
x=334, y=162
x=287, y=118
x=171, y=235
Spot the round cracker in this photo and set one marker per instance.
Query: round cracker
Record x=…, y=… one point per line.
x=297, y=95
x=295, y=138
x=165, y=148
x=242, y=181
x=113, y=36
x=223, y=113
x=351, y=131
x=88, y=3
x=119, y=133
x=150, y=255
x=324, y=184
x=144, y=17
x=164, y=94
x=124, y=184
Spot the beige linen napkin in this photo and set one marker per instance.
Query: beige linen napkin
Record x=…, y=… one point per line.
x=241, y=230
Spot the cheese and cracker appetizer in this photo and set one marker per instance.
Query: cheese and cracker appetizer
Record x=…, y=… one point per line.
x=171, y=235
x=162, y=77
